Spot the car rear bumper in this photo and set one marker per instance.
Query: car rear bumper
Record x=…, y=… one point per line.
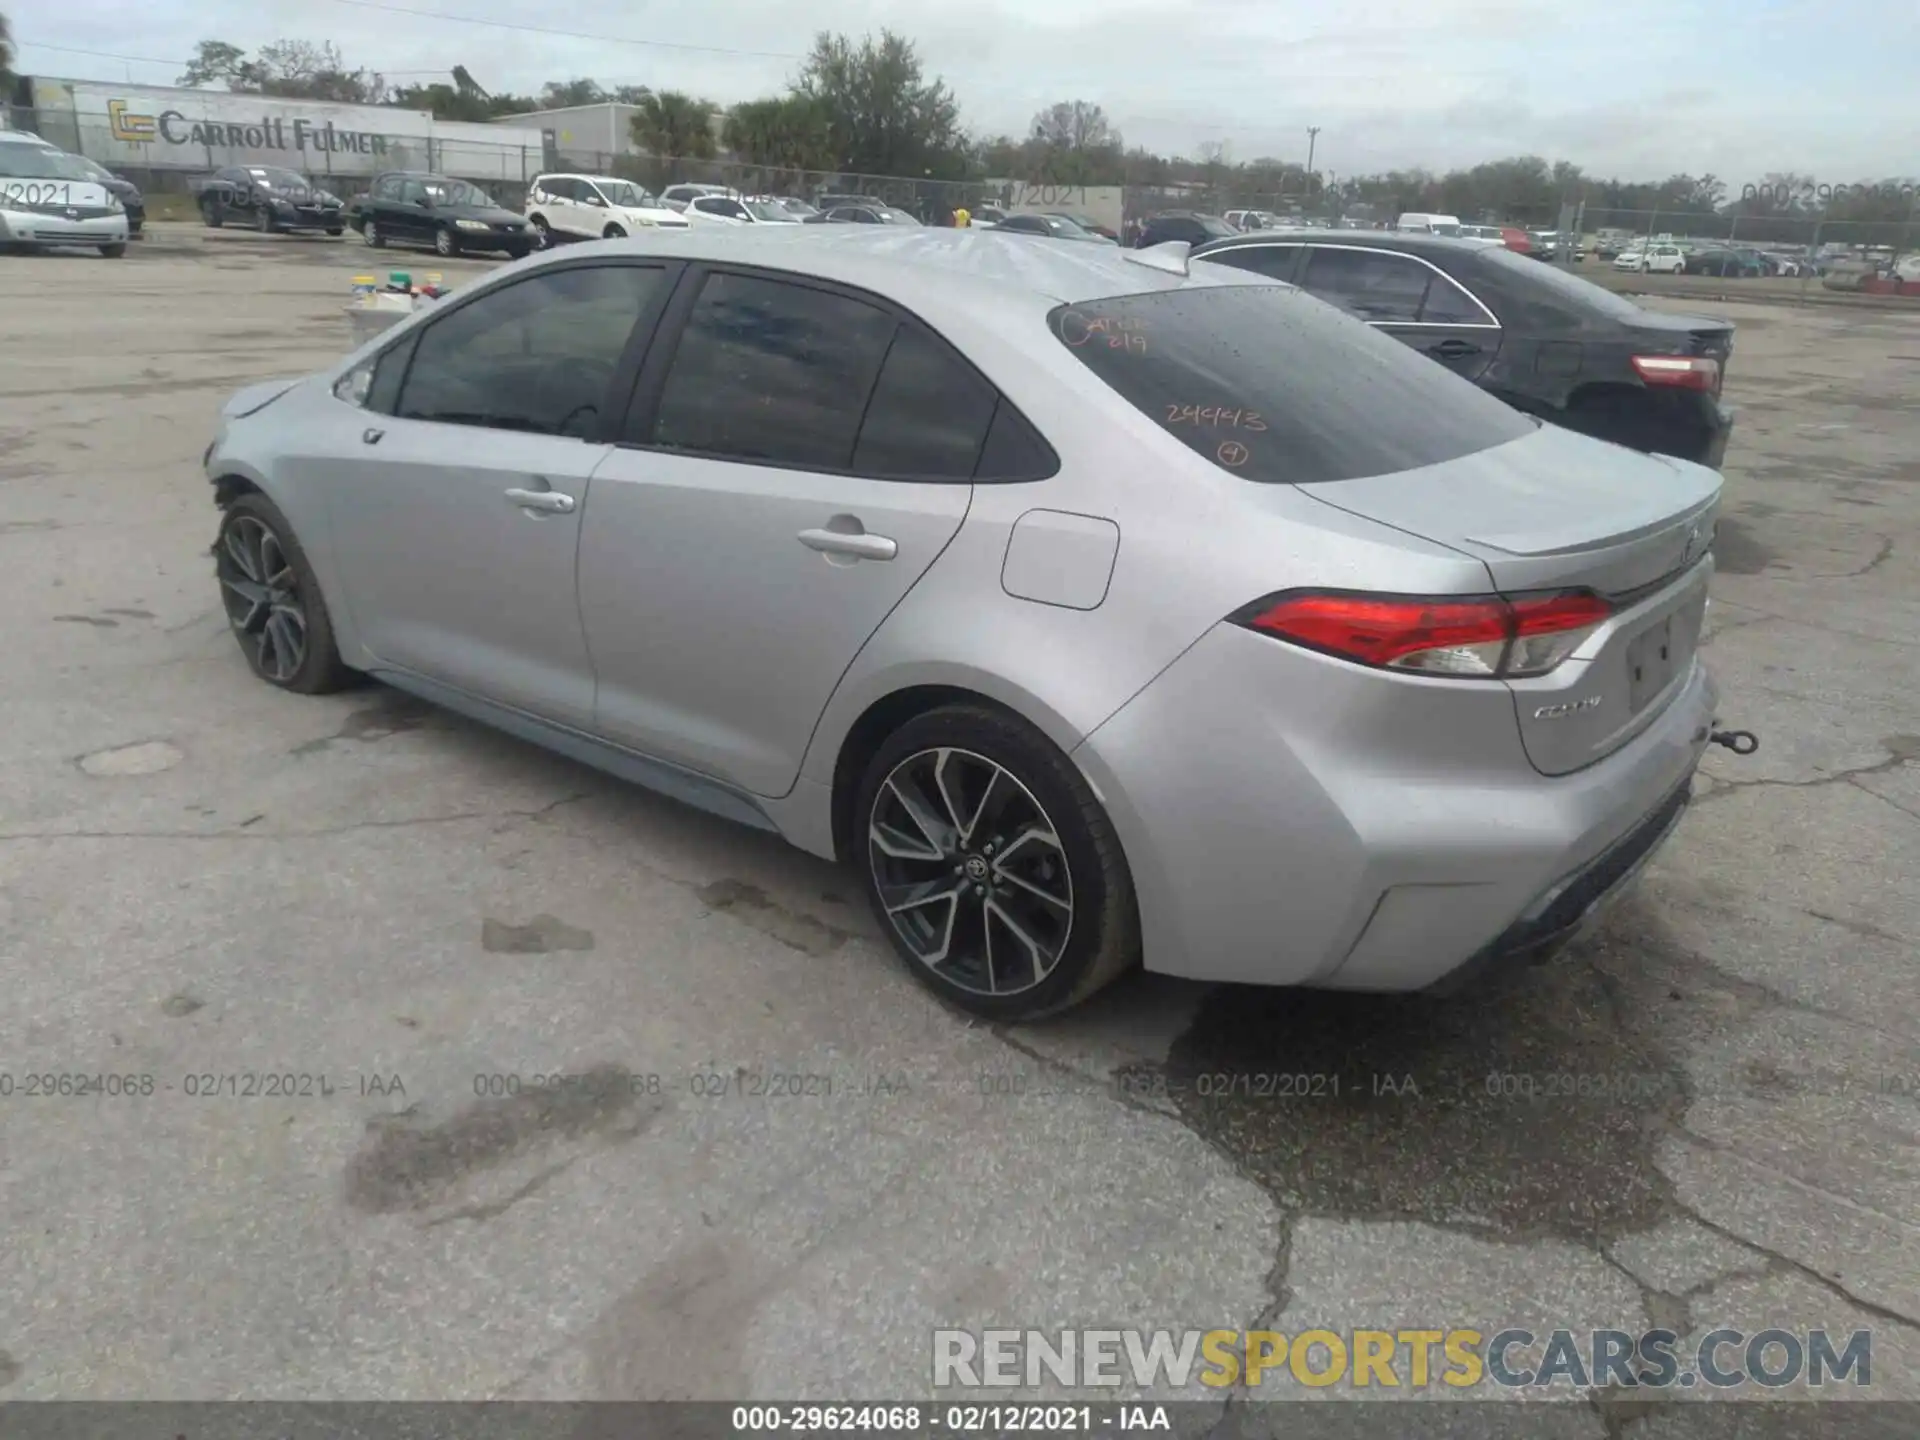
x=1294, y=820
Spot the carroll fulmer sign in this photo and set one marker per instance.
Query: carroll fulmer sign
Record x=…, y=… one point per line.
x=270, y=132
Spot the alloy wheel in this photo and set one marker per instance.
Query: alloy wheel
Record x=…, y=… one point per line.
x=443, y=243
x=970, y=871
x=370, y=233
x=262, y=596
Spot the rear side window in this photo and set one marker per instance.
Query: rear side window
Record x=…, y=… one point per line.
x=772, y=372
x=928, y=416
x=1273, y=261
x=1274, y=386
x=1373, y=284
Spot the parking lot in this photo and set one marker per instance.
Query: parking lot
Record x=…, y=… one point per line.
x=1706, y=1117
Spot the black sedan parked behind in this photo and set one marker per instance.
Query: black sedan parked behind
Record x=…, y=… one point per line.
x=122, y=189
x=412, y=207
x=270, y=199
x=1541, y=339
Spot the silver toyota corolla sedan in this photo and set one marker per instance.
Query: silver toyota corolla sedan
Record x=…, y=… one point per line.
x=1097, y=608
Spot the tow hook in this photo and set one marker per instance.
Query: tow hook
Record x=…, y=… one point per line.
x=1740, y=742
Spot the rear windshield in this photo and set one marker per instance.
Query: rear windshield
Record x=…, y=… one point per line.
x=1276, y=387
x=1564, y=282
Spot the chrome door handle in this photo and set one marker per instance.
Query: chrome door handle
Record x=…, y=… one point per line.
x=834, y=542
x=549, y=502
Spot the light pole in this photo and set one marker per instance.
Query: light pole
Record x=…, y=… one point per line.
x=1313, y=134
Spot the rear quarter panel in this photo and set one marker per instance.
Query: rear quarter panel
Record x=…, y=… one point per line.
x=1196, y=544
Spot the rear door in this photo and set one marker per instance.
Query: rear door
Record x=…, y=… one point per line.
x=1409, y=298
x=793, y=462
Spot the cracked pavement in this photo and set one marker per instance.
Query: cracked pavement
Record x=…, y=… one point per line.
x=1706, y=1116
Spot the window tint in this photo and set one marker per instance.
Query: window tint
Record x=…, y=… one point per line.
x=1025, y=224
x=929, y=413
x=537, y=355
x=387, y=187
x=771, y=371
x=1372, y=284
x=1448, y=304
x=1274, y=261
x=1014, y=449
x=413, y=192
x=1269, y=384
x=1524, y=276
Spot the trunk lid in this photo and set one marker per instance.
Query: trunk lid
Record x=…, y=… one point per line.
x=1557, y=511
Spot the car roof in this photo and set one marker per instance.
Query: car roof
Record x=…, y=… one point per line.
x=26, y=137
x=1411, y=242
x=930, y=270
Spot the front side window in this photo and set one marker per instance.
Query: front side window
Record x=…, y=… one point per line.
x=1372, y=284
x=772, y=372
x=388, y=187
x=1271, y=385
x=624, y=193
x=536, y=356
x=1448, y=304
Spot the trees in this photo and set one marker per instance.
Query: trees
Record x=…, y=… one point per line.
x=670, y=124
x=464, y=99
x=297, y=69
x=788, y=132
x=6, y=60
x=884, y=116
x=563, y=94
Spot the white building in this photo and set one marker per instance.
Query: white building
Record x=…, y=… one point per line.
x=152, y=127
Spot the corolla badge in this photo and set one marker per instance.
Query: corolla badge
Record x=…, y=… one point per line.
x=1570, y=707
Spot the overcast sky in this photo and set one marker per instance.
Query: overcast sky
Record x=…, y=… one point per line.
x=1637, y=88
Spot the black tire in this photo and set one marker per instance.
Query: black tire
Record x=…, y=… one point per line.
x=517, y=252
x=214, y=213
x=613, y=232
x=320, y=669
x=543, y=233
x=1102, y=931
x=114, y=251
x=446, y=244
x=336, y=231
x=370, y=233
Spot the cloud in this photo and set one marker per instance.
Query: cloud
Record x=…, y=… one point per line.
x=1640, y=87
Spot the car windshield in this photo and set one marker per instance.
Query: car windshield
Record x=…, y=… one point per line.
x=453, y=192
x=798, y=207
x=1215, y=226
x=769, y=211
x=1562, y=282
x=1276, y=387
x=34, y=162
x=898, y=217
x=275, y=178
x=624, y=192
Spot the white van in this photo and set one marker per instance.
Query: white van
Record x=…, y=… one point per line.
x=48, y=197
x=1429, y=224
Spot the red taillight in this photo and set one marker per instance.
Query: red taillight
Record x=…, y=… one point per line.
x=1473, y=637
x=1684, y=372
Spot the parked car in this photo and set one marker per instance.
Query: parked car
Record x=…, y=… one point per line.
x=1652, y=260
x=270, y=199
x=593, y=207
x=868, y=214
x=986, y=214
x=1183, y=225
x=1516, y=239
x=1054, y=227
x=1420, y=223
x=1250, y=220
x=734, y=210
x=849, y=571
x=1541, y=339
x=678, y=197
x=412, y=207
x=1089, y=224
x=797, y=209
x=48, y=197
x=1483, y=234
x=122, y=189
x=1729, y=264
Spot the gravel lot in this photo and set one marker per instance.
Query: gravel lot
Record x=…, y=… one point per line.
x=200, y=878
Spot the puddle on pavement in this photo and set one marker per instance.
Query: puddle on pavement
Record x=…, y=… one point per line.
x=1736, y=550
x=1527, y=1106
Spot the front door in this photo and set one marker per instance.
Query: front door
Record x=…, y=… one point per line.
x=1410, y=299
x=807, y=457
x=456, y=518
